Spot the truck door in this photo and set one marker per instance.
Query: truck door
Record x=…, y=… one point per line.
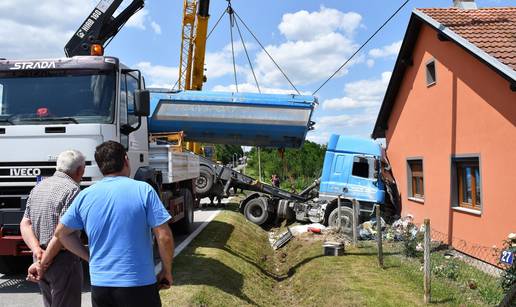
x=136, y=142
x=336, y=179
x=362, y=184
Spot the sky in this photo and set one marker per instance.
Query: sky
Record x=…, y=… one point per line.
x=309, y=39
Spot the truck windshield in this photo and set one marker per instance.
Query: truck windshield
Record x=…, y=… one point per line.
x=64, y=97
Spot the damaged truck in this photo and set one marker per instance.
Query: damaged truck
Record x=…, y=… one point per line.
x=355, y=169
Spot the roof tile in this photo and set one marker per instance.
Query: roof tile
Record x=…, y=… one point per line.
x=491, y=29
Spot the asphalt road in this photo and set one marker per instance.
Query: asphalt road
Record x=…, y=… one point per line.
x=16, y=291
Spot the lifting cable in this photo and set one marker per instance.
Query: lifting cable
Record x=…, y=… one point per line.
x=266, y=52
x=231, y=25
x=362, y=46
x=247, y=55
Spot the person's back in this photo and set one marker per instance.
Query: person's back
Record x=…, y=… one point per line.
x=118, y=229
x=118, y=214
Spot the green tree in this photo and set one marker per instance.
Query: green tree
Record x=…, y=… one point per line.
x=297, y=168
x=226, y=153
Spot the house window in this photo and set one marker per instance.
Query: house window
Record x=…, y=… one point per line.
x=416, y=179
x=468, y=183
x=430, y=73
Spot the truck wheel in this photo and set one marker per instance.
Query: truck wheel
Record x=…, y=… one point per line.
x=204, y=182
x=185, y=224
x=256, y=211
x=346, y=215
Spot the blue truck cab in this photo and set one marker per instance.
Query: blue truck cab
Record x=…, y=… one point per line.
x=352, y=170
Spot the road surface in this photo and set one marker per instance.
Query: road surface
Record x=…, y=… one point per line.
x=15, y=291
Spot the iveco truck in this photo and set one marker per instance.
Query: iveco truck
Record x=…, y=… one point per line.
x=48, y=106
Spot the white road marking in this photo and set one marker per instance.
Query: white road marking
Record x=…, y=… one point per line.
x=194, y=234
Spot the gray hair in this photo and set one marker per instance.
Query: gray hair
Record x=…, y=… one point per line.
x=69, y=161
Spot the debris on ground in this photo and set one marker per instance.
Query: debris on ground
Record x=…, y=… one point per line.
x=315, y=228
x=282, y=239
x=367, y=230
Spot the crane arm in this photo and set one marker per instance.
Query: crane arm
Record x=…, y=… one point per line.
x=100, y=26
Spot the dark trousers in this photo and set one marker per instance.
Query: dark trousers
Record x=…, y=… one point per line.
x=147, y=296
x=62, y=283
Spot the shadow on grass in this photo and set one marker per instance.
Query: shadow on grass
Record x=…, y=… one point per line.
x=211, y=272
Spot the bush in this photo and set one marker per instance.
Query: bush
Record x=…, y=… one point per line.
x=508, y=277
x=449, y=270
x=411, y=239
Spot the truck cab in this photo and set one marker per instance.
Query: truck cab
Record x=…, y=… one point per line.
x=48, y=106
x=351, y=170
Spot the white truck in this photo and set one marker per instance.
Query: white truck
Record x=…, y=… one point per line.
x=47, y=106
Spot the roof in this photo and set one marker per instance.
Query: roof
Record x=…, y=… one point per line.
x=490, y=29
x=489, y=34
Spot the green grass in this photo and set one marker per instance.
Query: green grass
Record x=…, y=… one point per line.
x=231, y=264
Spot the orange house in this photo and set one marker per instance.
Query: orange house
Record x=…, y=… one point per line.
x=449, y=120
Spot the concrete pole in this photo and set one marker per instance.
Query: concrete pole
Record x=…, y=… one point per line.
x=426, y=266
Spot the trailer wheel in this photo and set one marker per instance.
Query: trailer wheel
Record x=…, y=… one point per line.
x=256, y=211
x=204, y=182
x=346, y=218
x=185, y=224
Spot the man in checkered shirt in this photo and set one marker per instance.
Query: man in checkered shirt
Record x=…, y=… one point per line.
x=61, y=280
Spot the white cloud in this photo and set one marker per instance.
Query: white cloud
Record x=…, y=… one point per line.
x=158, y=75
x=370, y=63
x=39, y=29
x=138, y=20
x=386, y=51
x=344, y=124
x=220, y=63
x=360, y=94
x=156, y=27
x=316, y=44
x=306, y=26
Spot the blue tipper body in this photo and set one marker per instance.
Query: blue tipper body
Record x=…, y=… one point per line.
x=350, y=169
x=267, y=120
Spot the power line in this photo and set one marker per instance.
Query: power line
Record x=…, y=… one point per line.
x=362, y=46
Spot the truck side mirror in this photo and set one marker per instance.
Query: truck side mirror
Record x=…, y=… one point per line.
x=142, y=103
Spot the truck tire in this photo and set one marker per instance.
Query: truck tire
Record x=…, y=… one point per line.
x=204, y=182
x=185, y=224
x=256, y=211
x=346, y=217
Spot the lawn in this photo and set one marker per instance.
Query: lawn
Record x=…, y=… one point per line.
x=231, y=264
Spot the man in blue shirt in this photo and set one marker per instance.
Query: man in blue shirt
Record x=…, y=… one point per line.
x=118, y=214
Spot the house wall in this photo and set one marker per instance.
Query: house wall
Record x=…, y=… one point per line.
x=469, y=111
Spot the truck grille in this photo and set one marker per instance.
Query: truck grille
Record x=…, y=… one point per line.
x=26, y=172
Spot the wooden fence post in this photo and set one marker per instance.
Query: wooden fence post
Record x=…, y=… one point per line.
x=339, y=214
x=379, y=236
x=427, y=267
x=355, y=221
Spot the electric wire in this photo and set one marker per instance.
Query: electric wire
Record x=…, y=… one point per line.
x=266, y=52
x=247, y=55
x=362, y=46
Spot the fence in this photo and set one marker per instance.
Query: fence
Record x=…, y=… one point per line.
x=421, y=240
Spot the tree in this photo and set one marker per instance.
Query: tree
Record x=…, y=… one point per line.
x=297, y=168
x=226, y=153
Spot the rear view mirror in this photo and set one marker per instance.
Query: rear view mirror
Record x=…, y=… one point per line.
x=142, y=103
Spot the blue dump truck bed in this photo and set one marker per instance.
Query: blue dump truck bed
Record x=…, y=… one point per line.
x=250, y=119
